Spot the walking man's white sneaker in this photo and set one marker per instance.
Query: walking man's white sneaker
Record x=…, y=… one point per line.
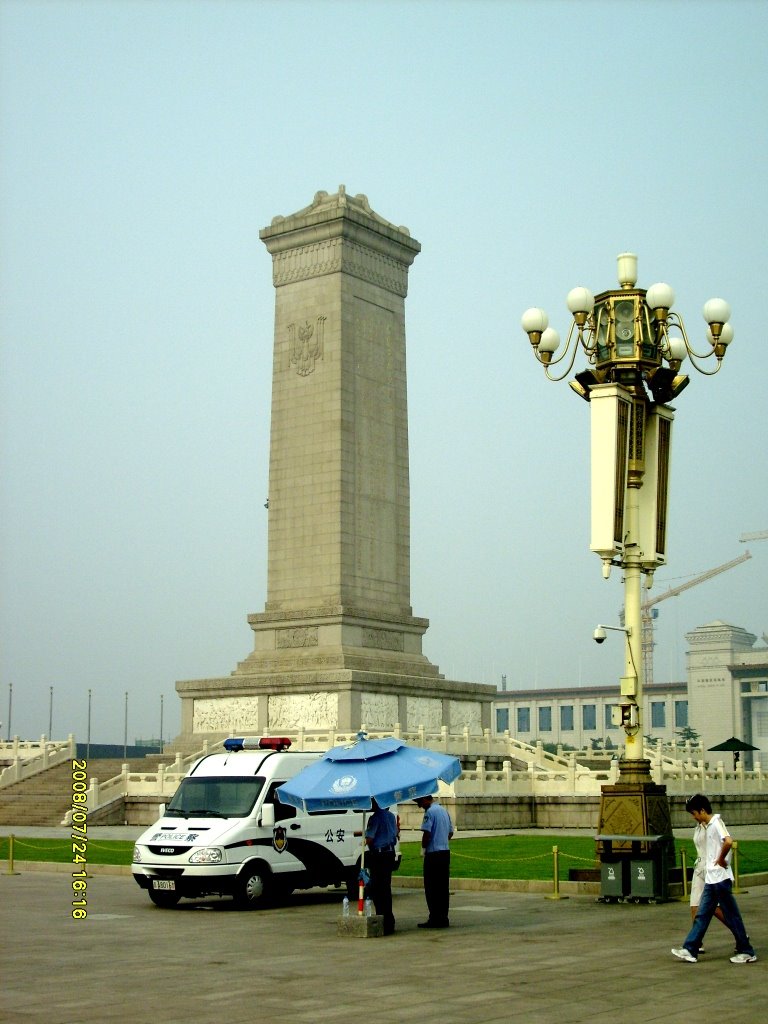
x=744, y=958
x=683, y=954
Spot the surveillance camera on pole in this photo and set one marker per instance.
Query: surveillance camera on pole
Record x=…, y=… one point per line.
x=600, y=634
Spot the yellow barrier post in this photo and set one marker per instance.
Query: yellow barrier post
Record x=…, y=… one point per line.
x=684, y=864
x=736, y=868
x=10, y=870
x=556, y=873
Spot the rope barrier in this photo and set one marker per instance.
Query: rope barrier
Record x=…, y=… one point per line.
x=498, y=860
x=45, y=844
x=14, y=843
x=59, y=852
x=583, y=860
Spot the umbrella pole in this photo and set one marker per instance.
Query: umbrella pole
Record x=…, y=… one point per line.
x=361, y=883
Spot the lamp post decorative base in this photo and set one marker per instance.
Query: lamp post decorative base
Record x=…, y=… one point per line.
x=635, y=805
x=635, y=770
x=635, y=841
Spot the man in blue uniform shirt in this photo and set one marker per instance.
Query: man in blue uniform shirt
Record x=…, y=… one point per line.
x=436, y=831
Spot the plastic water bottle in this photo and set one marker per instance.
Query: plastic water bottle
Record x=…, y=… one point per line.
x=345, y=907
x=368, y=908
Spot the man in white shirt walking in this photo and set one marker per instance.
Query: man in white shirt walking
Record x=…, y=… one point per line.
x=718, y=885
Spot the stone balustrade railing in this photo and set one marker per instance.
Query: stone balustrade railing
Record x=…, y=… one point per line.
x=679, y=779
x=545, y=774
x=161, y=783
x=28, y=757
x=463, y=743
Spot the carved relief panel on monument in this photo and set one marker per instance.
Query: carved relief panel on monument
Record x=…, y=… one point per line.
x=299, y=636
x=426, y=711
x=383, y=639
x=293, y=711
x=226, y=714
x=465, y=714
x=378, y=710
x=306, y=340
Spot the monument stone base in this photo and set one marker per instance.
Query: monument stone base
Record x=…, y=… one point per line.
x=339, y=701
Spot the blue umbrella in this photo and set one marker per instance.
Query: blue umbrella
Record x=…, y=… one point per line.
x=349, y=777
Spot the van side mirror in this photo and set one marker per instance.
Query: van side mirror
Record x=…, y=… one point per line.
x=268, y=816
x=161, y=811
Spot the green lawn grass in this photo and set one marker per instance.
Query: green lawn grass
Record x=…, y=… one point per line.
x=510, y=856
x=531, y=856
x=519, y=857
x=61, y=851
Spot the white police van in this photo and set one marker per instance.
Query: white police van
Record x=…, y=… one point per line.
x=224, y=832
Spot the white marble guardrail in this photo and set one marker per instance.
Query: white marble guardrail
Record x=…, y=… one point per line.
x=544, y=774
x=680, y=779
x=28, y=757
x=161, y=783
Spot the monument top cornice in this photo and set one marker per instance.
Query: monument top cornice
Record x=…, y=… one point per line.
x=340, y=215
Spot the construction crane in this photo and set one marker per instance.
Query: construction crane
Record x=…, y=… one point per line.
x=760, y=535
x=648, y=611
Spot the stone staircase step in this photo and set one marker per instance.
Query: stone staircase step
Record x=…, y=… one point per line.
x=44, y=798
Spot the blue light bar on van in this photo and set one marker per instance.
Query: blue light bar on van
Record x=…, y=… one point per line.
x=257, y=743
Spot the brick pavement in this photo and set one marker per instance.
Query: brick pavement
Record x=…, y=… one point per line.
x=507, y=955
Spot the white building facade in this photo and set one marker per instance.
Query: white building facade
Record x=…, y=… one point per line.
x=725, y=694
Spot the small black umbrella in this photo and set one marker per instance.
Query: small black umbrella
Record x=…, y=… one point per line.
x=736, y=746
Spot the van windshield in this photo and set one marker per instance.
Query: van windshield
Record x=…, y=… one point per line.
x=215, y=797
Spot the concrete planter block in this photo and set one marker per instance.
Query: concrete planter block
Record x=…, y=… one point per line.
x=361, y=927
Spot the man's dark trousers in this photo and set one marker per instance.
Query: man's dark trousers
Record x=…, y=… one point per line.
x=437, y=871
x=381, y=865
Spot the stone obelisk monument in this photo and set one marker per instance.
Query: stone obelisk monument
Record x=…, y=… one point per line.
x=337, y=645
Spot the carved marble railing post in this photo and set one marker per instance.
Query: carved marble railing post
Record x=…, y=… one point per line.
x=481, y=777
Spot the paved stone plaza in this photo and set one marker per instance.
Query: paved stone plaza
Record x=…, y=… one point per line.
x=507, y=956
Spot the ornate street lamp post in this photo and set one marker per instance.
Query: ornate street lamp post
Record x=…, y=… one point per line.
x=635, y=346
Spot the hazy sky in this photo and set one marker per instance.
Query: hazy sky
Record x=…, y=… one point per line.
x=144, y=144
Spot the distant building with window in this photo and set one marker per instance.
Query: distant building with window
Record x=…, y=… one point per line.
x=728, y=686
x=578, y=715
x=725, y=694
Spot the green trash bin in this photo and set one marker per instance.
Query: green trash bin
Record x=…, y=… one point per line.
x=649, y=875
x=643, y=875
x=613, y=880
x=635, y=867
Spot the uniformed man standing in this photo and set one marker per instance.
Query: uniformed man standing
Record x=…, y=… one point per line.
x=380, y=838
x=436, y=831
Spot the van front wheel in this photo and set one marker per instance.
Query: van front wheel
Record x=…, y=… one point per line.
x=253, y=888
x=163, y=898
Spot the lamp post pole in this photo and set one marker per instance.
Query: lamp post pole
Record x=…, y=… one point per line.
x=635, y=346
x=633, y=659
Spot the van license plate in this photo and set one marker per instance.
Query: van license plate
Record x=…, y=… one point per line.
x=163, y=883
